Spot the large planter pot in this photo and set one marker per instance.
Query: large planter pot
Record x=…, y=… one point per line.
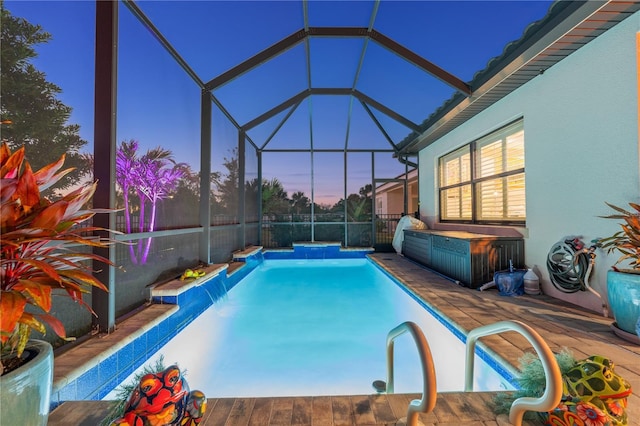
x=624, y=299
x=25, y=393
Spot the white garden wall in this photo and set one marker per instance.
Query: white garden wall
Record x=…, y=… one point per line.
x=581, y=142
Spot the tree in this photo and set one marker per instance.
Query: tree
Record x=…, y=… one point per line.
x=227, y=187
x=184, y=206
x=30, y=112
x=274, y=197
x=158, y=177
x=365, y=191
x=358, y=205
x=126, y=158
x=151, y=177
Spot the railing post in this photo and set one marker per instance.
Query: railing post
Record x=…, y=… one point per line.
x=553, y=387
x=429, y=395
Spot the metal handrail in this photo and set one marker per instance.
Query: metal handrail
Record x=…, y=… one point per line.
x=429, y=395
x=553, y=387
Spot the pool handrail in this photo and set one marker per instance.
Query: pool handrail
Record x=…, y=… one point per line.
x=553, y=386
x=429, y=392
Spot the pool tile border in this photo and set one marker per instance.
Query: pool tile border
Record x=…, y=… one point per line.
x=323, y=250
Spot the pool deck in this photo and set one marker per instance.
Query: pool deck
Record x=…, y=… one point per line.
x=561, y=324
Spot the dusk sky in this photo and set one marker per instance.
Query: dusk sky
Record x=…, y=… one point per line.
x=158, y=104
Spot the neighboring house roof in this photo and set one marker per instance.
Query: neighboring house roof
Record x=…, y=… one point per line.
x=412, y=176
x=566, y=28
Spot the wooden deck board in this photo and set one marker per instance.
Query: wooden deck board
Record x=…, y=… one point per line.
x=281, y=412
x=301, y=414
x=461, y=409
x=261, y=412
x=381, y=409
x=219, y=412
x=362, y=410
x=241, y=411
x=341, y=407
x=322, y=414
x=561, y=324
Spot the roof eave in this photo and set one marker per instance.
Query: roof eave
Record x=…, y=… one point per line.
x=567, y=27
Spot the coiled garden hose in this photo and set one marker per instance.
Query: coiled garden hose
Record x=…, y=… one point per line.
x=569, y=264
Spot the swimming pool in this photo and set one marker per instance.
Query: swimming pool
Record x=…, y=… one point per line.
x=314, y=327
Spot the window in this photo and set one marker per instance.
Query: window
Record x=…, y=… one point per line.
x=483, y=182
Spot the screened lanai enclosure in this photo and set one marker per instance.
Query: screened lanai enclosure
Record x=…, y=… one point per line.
x=218, y=125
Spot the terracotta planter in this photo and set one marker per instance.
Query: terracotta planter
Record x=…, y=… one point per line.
x=26, y=391
x=624, y=299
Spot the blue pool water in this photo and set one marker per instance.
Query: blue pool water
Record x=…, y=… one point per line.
x=314, y=327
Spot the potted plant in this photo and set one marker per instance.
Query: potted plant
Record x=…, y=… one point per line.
x=40, y=246
x=623, y=280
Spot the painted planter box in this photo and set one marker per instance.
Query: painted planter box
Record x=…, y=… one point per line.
x=624, y=299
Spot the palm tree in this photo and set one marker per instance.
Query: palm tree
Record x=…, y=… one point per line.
x=274, y=197
x=157, y=176
x=126, y=159
x=152, y=177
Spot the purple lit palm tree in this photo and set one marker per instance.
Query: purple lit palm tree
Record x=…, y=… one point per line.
x=157, y=177
x=153, y=177
x=126, y=160
x=143, y=174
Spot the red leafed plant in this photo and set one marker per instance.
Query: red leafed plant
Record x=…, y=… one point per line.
x=627, y=240
x=39, y=246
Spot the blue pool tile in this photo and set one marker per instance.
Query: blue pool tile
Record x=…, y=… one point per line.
x=140, y=347
x=332, y=251
x=125, y=355
x=68, y=393
x=239, y=275
x=165, y=329
x=164, y=338
x=107, y=387
x=152, y=338
x=180, y=324
x=353, y=254
x=165, y=300
x=87, y=383
x=124, y=373
x=280, y=254
x=108, y=368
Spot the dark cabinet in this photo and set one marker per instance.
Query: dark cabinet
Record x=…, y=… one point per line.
x=466, y=257
x=417, y=246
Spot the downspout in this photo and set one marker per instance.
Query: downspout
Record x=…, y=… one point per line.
x=404, y=159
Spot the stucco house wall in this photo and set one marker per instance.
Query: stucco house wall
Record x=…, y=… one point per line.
x=581, y=149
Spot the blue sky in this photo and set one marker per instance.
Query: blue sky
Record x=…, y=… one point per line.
x=159, y=105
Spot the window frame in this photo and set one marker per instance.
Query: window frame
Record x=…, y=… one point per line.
x=511, y=128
